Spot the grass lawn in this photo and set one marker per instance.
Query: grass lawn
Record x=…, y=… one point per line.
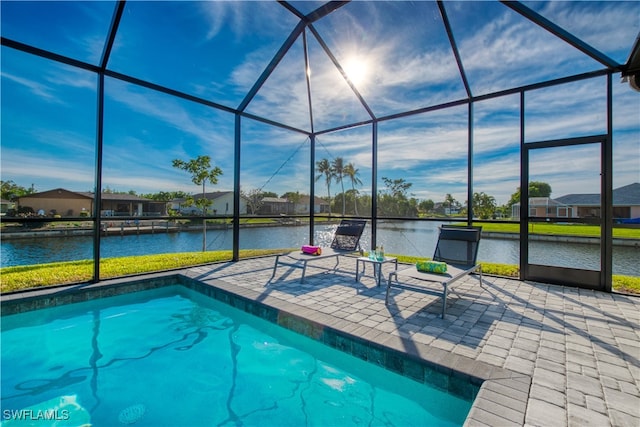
x=562, y=229
x=23, y=277
x=30, y=276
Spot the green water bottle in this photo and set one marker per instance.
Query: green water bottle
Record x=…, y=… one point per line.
x=381, y=253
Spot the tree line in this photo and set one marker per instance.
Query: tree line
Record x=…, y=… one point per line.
x=394, y=199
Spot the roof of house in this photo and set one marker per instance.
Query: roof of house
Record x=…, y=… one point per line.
x=628, y=195
x=317, y=200
x=591, y=199
x=545, y=201
x=274, y=200
x=61, y=193
x=303, y=200
x=116, y=196
x=58, y=193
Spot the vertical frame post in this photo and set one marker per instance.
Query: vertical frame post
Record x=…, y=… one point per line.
x=374, y=183
x=470, y=165
x=97, y=202
x=606, y=228
x=524, y=196
x=312, y=187
x=236, y=189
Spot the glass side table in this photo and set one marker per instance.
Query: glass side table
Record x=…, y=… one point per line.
x=377, y=267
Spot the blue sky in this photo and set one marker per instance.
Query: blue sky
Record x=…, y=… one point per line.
x=396, y=53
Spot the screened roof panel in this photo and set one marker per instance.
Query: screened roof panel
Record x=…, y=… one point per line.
x=282, y=159
x=591, y=21
x=396, y=53
x=500, y=49
x=144, y=130
x=48, y=122
x=214, y=50
x=283, y=97
x=76, y=29
x=428, y=150
x=334, y=103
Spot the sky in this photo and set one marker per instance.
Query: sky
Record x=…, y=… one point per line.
x=396, y=54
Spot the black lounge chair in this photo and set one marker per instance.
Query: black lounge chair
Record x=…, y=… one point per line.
x=457, y=247
x=346, y=240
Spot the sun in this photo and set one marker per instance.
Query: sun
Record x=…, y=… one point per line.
x=357, y=70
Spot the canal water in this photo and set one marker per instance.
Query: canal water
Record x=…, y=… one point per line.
x=407, y=238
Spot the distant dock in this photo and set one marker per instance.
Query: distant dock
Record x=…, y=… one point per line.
x=108, y=228
x=146, y=228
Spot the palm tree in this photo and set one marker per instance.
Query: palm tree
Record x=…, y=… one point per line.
x=449, y=200
x=323, y=167
x=337, y=167
x=351, y=171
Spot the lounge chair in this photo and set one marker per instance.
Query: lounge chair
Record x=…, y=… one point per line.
x=346, y=240
x=457, y=247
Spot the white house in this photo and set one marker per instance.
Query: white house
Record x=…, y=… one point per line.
x=222, y=204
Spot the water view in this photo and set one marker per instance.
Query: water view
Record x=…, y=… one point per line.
x=417, y=239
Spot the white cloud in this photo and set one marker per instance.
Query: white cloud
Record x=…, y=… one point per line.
x=508, y=51
x=245, y=19
x=36, y=88
x=143, y=183
x=592, y=21
x=246, y=73
x=67, y=143
x=211, y=129
x=499, y=178
x=20, y=166
x=63, y=78
x=409, y=148
x=283, y=98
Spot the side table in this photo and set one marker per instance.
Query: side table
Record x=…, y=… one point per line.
x=377, y=267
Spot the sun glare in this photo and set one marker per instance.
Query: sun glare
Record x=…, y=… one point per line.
x=357, y=70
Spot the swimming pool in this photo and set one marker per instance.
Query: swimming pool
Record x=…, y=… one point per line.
x=172, y=356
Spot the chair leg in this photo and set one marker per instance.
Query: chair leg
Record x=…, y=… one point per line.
x=386, y=297
x=335, y=267
x=304, y=270
x=275, y=267
x=444, y=299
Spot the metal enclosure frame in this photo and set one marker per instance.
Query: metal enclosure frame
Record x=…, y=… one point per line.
x=305, y=24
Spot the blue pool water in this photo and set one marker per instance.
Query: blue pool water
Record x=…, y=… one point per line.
x=174, y=357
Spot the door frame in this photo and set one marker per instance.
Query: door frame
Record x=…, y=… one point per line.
x=590, y=279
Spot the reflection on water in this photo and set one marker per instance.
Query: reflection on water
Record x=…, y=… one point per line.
x=417, y=239
x=583, y=255
x=420, y=239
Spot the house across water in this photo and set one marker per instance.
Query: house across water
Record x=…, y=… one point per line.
x=67, y=203
x=626, y=205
